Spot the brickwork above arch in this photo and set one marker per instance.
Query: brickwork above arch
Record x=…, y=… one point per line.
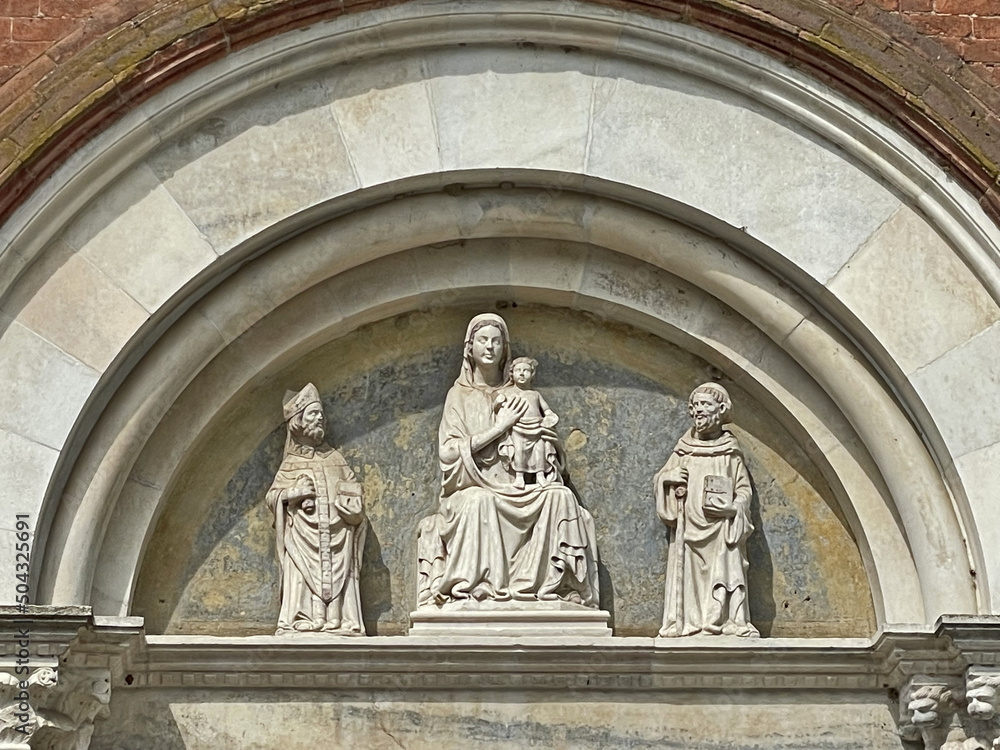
x=70, y=67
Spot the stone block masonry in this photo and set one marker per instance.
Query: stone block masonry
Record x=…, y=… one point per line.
x=70, y=67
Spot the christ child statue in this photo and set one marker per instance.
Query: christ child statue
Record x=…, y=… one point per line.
x=531, y=449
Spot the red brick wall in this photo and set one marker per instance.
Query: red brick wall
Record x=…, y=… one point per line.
x=969, y=28
x=31, y=28
x=67, y=67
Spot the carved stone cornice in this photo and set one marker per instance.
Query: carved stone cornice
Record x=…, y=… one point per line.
x=498, y=663
x=977, y=638
x=50, y=630
x=947, y=675
x=890, y=660
x=916, y=650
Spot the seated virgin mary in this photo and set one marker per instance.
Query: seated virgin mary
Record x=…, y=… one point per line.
x=490, y=540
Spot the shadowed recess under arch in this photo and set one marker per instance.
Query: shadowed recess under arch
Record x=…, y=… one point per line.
x=621, y=395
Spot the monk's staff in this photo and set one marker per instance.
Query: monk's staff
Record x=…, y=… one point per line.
x=680, y=492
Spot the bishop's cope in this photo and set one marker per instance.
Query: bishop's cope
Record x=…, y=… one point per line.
x=319, y=525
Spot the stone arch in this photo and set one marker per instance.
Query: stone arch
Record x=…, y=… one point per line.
x=621, y=284
x=824, y=238
x=875, y=55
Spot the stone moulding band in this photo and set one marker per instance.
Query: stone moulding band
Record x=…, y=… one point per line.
x=938, y=673
x=497, y=662
x=543, y=662
x=408, y=29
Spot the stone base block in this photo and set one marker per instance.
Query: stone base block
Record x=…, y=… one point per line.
x=545, y=619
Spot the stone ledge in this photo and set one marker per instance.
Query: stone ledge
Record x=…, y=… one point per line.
x=50, y=629
x=890, y=660
x=978, y=638
x=550, y=662
x=70, y=634
x=527, y=619
x=507, y=663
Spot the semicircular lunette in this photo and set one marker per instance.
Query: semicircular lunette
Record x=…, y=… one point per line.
x=210, y=565
x=316, y=315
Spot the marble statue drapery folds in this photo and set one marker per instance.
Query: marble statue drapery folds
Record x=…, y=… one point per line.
x=491, y=540
x=320, y=527
x=703, y=493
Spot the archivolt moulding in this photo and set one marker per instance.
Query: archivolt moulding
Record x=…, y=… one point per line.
x=884, y=400
x=364, y=266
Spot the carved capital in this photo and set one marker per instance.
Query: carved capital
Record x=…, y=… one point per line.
x=948, y=682
x=926, y=708
x=929, y=703
x=56, y=672
x=52, y=708
x=982, y=693
x=952, y=714
x=20, y=688
x=66, y=713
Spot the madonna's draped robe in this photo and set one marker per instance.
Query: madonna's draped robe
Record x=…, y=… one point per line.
x=490, y=540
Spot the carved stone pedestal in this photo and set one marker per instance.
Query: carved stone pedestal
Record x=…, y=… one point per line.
x=511, y=619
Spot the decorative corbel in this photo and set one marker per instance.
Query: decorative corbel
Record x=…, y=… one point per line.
x=982, y=693
x=927, y=708
x=982, y=706
x=952, y=714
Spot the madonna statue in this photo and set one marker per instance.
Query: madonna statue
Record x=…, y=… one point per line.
x=499, y=535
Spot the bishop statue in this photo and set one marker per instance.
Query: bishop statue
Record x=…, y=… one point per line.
x=320, y=526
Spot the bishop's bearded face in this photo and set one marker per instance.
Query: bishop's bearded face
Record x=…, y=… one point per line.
x=310, y=426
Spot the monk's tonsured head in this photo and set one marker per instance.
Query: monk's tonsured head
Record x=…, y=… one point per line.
x=710, y=407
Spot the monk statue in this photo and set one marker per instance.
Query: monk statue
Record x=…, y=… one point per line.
x=703, y=494
x=320, y=526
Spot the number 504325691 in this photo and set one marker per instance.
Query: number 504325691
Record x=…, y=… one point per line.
x=22, y=559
